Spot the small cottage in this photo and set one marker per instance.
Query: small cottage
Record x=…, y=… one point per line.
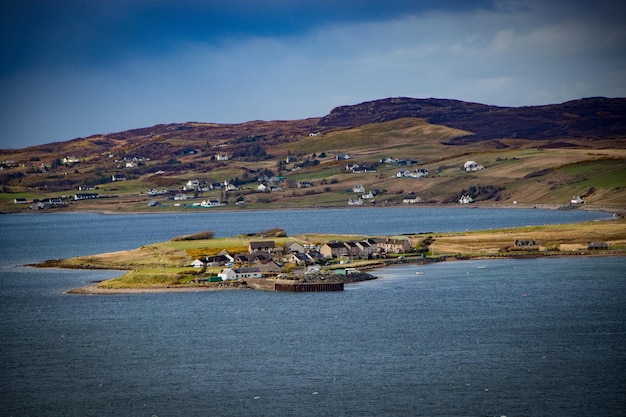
x=228, y=274
x=597, y=246
x=472, y=166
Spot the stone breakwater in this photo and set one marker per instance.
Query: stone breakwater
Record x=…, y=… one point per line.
x=325, y=277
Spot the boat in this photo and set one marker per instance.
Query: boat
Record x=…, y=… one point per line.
x=419, y=273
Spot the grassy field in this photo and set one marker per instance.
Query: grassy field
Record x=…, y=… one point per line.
x=524, y=171
x=565, y=238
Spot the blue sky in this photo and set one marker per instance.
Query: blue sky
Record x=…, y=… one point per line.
x=73, y=68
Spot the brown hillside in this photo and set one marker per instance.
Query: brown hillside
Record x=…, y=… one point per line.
x=590, y=118
x=530, y=155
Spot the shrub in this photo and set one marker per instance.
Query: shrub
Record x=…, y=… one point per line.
x=205, y=235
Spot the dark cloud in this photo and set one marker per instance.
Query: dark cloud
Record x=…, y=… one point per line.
x=40, y=33
x=77, y=67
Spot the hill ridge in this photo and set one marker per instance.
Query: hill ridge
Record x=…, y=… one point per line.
x=591, y=118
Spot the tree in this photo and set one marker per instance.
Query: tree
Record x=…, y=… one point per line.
x=424, y=244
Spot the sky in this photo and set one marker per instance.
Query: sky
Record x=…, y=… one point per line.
x=75, y=68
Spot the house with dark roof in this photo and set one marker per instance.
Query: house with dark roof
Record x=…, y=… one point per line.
x=597, y=246
x=265, y=246
x=334, y=250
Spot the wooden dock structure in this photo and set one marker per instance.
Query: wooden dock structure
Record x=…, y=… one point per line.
x=337, y=286
x=286, y=285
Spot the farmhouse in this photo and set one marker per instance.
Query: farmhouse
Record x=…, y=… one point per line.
x=416, y=173
x=472, y=166
x=85, y=196
x=208, y=203
x=411, y=199
x=71, y=160
x=524, y=243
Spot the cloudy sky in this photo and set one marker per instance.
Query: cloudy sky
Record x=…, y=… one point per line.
x=73, y=68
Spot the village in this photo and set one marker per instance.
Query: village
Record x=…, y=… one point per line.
x=190, y=194
x=296, y=260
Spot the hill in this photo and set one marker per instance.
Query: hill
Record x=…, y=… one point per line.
x=392, y=151
x=590, y=118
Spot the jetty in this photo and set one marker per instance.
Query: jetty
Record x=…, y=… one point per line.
x=309, y=287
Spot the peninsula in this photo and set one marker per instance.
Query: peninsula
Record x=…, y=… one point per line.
x=270, y=259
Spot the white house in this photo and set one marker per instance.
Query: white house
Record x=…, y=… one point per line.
x=359, y=188
x=197, y=263
x=577, y=200
x=192, y=183
x=208, y=203
x=355, y=202
x=228, y=274
x=466, y=199
x=411, y=199
x=472, y=166
x=222, y=157
x=417, y=173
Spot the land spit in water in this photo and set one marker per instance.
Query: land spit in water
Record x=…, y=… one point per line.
x=165, y=266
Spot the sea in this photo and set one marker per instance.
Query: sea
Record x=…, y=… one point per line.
x=535, y=337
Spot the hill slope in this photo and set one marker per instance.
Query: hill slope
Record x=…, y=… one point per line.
x=530, y=155
x=591, y=118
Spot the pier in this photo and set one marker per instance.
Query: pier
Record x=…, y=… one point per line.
x=309, y=287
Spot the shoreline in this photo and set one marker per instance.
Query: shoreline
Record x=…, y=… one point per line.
x=458, y=253
x=619, y=211
x=95, y=290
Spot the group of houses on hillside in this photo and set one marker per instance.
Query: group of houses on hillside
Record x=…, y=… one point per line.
x=265, y=257
x=416, y=173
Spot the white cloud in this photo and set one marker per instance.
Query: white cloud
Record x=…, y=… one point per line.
x=511, y=56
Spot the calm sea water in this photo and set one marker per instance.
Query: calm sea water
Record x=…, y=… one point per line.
x=477, y=338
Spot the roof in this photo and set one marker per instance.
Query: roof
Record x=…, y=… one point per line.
x=336, y=244
x=262, y=244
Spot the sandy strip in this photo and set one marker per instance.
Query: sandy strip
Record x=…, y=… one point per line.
x=94, y=290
